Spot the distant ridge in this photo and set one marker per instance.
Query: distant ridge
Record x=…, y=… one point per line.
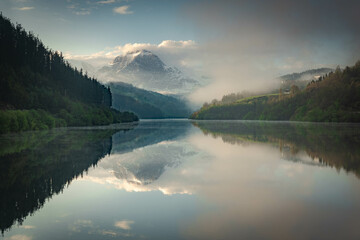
x=147, y=104
x=301, y=79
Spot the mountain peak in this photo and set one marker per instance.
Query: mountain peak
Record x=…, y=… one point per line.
x=139, y=51
x=144, y=69
x=139, y=59
x=134, y=54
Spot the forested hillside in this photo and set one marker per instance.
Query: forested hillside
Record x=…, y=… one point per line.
x=303, y=78
x=40, y=90
x=147, y=104
x=334, y=97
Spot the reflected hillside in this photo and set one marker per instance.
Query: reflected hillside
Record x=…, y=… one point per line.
x=158, y=151
x=36, y=165
x=334, y=145
x=148, y=133
x=146, y=165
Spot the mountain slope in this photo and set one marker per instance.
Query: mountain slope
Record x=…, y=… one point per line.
x=333, y=98
x=303, y=78
x=146, y=70
x=39, y=90
x=147, y=104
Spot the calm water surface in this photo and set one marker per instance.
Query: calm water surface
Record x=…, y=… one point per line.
x=178, y=179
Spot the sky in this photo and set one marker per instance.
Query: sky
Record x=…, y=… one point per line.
x=238, y=45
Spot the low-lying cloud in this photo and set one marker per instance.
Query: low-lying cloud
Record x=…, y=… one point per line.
x=247, y=44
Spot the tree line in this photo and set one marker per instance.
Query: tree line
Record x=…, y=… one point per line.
x=20, y=49
x=334, y=97
x=34, y=77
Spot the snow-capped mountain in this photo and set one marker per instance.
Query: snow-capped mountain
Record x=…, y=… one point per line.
x=144, y=69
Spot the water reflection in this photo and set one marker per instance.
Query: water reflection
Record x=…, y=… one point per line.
x=36, y=165
x=334, y=145
x=147, y=165
x=141, y=156
x=258, y=195
x=177, y=180
x=148, y=133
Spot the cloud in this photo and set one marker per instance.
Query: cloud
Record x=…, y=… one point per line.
x=177, y=44
x=108, y=232
x=82, y=12
x=178, y=168
x=27, y=226
x=166, y=45
x=19, y=237
x=174, y=53
x=123, y=10
x=246, y=44
x=81, y=8
x=106, y=2
x=72, y=6
x=124, y=224
x=183, y=54
x=80, y=224
x=25, y=8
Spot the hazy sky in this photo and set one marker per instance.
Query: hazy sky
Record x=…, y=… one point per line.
x=239, y=45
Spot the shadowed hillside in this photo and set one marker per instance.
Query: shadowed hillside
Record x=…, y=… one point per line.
x=40, y=90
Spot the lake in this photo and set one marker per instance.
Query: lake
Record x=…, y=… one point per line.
x=180, y=179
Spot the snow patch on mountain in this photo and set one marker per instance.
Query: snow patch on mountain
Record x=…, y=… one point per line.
x=144, y=69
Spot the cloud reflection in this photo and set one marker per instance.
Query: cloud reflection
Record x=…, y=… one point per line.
x=189, y=166
x=19, y=237
x=124, y=224
x=247, y=189
x=159, y=167
x=27, y=226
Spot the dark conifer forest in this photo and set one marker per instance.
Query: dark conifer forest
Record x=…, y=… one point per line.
x=40, y=90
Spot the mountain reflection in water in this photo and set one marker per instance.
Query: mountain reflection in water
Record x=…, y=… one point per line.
x=178, y=179
x=36, y=165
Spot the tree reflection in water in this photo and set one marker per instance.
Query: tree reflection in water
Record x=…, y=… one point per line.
x=36, y=165
x=334, y=145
